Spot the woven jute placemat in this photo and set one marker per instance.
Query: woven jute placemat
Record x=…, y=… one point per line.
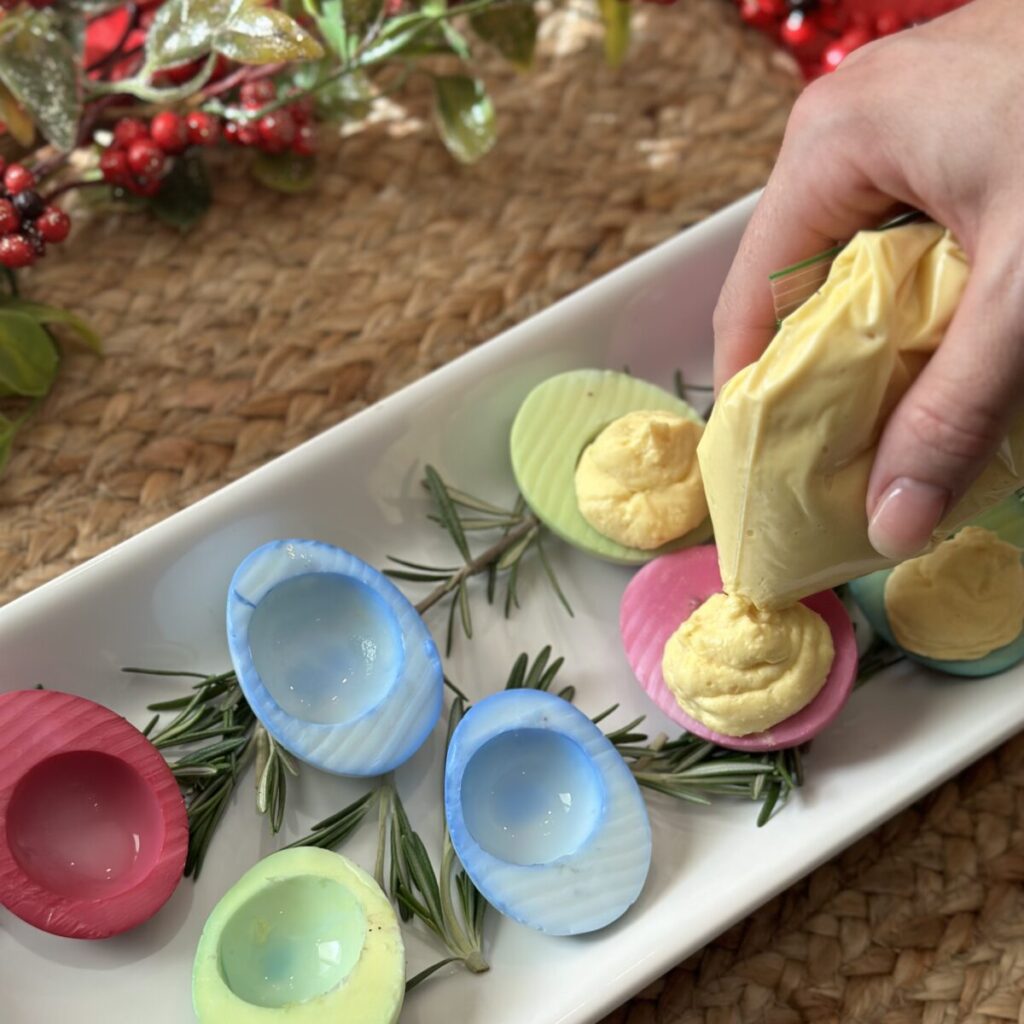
x=280, y=316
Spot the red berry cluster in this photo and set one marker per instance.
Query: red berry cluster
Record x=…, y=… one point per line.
x=27, y=223
x=821, y=33
x=281, y=130
x=140, y=154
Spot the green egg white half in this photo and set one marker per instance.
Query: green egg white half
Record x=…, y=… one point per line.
x=556, y=422
x=303, y=937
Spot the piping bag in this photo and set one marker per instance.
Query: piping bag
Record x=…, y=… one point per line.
x=787, y=451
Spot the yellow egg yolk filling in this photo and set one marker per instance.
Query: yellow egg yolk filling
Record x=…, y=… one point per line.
x=740, y=670
x=639, y=482
x=961, y=601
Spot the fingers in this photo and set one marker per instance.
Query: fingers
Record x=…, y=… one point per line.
x=952, y=420
x=817, y=195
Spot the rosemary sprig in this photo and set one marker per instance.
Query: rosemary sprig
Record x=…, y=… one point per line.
x=209, y=744
x=445, y=900
x=460, y=514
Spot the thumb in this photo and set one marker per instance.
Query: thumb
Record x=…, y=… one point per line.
x=954, y=417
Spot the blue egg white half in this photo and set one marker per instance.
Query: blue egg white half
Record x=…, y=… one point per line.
x=544, y=814
x=333, y=659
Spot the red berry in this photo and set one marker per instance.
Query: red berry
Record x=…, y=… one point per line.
x=17, y=178
x=202, y=128
x=241, y=133
x=798, y=30
x=277, y=131
x=169, y=132
x=16, y=251
x=53, y=224
x=146, y=159
x=257, y=94
x=302, y=110
x=9, y=219
x=305, y=140
x=128, y=129
x=114, y=165
x=888, y=22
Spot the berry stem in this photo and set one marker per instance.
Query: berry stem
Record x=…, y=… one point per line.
x=237, y=77
x=71, y=186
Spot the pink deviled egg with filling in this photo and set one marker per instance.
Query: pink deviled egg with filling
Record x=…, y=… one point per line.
x=743, y=699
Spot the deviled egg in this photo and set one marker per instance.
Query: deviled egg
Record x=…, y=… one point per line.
x=608, y=463
x=334, y=660
x=754, y=681
x=960, y=608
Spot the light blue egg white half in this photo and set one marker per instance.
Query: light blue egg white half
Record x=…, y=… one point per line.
x=544, y=814
x=1007, y=520
x=333, y=659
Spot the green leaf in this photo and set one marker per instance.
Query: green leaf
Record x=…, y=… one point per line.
x=184, y=194
x=284, y=172
x=16, y=117
x=615, y=14
x=349, y=97
x=28, y=356
x=242, y=30
x=264, y=35
x=456, y=40
x=44, y=314
x=512, y=31
x=183, y=30
x=330, y=19
x=398, y=34
x=465, y=117
x=37, y=64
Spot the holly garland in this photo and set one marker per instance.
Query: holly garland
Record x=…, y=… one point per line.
x=126, y=99
x=820, y=34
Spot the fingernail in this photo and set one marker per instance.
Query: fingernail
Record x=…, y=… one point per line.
x=905, y=516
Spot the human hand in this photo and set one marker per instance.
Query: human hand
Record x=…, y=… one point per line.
x=931, y=118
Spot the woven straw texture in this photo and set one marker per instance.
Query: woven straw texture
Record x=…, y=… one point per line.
x=278, y=317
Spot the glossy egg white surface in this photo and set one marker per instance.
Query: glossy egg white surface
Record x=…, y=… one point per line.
x=158, y=600
x=334, y=660
x=544, y=814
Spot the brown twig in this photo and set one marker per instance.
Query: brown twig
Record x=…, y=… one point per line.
x=480, y=563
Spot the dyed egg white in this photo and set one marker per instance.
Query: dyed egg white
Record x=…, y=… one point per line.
x=665, y=593
x=544, y=814
x=333, y=659
x=93, y=828
x=1007, y=520
x=556, y=422
x=303, y=937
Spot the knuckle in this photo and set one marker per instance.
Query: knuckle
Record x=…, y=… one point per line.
x=953, y=429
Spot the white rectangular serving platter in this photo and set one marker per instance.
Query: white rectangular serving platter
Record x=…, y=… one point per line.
x=158, y=600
